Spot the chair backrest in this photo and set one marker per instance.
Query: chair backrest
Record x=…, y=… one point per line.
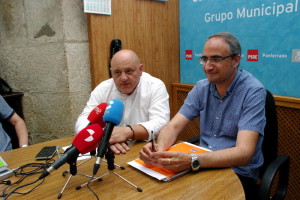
x=270, y=141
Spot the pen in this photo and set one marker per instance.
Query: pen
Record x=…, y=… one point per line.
x=152, y=141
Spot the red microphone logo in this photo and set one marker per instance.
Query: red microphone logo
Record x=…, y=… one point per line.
x=90, y=138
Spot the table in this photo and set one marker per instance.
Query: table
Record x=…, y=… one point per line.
x=205, y=184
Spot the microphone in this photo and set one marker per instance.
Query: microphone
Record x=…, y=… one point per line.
x=85, y=141
x=96, y=115
x=112, y=117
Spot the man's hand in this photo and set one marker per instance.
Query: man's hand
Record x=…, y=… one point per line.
x=175, y=161
x=118, y=139
x=172, y=160
x=146, y=154
x=119, y=148
x=120, y=134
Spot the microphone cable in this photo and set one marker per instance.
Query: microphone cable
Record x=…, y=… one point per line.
x=88, y=186
x=36, y=168
x=24, y=193
x=24, y=171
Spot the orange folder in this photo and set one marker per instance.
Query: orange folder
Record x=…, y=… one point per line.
x=164, y=174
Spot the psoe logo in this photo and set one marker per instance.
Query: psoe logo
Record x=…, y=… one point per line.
x=188, y=54
x=252, y=55
x=296, y=55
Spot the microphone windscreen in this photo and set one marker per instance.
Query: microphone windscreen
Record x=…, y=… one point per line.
x=96, y=115
x=114, y=112
x=87, y=139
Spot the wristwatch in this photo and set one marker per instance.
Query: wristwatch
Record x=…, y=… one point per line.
x=195, y=163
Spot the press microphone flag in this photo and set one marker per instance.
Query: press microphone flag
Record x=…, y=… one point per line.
x=96, y=115
x=85, y=141
x=88, y=139
x=112, y=117
x=114, y=112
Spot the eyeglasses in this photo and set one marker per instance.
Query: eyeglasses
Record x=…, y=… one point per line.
x=118, y=73
x=213, y=60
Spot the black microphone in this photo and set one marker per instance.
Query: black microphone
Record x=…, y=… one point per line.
x=85, y=141
x=112, y=117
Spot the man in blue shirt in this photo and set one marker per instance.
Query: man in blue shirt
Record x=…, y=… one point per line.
x=231, y=106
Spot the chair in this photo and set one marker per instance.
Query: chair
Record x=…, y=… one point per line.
x=273, y=164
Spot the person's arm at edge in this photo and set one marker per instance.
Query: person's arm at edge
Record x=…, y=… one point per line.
x=21, y=129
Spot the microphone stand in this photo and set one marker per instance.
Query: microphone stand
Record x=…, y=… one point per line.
x=110, y=157
x=73, y=171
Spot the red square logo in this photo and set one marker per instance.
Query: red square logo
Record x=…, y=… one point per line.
x=188, y=54
x=252, y=55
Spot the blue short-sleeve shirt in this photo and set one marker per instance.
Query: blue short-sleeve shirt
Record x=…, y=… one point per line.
x=5, y=113
x=242, y=108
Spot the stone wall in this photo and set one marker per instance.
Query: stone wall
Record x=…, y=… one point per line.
x=44, y=53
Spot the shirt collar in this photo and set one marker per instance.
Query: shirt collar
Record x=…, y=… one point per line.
x=229, y=90
x=234, y=82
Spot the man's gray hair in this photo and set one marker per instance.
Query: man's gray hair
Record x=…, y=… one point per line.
x=232, y=41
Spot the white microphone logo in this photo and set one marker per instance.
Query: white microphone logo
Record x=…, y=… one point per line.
x=90, y=138
x=98, y=110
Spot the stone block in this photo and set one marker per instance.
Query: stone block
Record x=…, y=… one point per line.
x=78, y=66
x=75, y=21
x=48, y=117
x=37, y=68
x=12, y=23
x=44, y=20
